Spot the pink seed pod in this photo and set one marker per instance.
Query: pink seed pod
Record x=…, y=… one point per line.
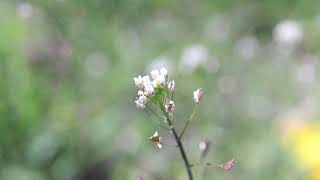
x=228, y=166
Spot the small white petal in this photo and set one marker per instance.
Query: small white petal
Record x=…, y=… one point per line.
x=143, y=99
x=149, y=89
x=159, y=145
x=140, y=93
x=154, y=73
x=138, y=81
x=156, y=134
x=163, y=71
x=146, y=80
x=139, y=104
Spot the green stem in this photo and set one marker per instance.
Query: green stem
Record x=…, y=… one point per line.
x=179, y=143
x=189, y=120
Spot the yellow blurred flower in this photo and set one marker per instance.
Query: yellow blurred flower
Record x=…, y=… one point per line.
x=303, y=139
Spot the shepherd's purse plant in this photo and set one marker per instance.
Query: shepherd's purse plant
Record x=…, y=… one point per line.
x=156, y=96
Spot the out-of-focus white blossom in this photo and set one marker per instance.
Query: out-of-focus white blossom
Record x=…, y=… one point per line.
x=288, y=33
x=197, y=95
x=170, y=107
x=171, y=85
x=157, y=139
x=193, y=57
x=24, y=10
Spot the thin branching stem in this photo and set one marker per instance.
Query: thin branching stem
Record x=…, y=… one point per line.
x=189, y=120
x=179, y=143
x=206, y=164
x=153, y=112
x=172, y=112
x=150, y=111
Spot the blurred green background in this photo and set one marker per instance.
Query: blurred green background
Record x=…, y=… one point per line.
x=67, y=94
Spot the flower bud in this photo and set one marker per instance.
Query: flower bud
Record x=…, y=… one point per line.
x=171, y=85
x=169, y=107
x=197, y=95
x=204, y=148
x=227, y=166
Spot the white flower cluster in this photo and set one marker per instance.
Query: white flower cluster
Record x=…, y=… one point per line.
x=148, y=88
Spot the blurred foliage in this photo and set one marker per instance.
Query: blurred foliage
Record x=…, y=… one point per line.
x=67, y=91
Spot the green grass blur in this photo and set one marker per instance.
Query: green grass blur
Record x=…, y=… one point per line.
x=67, y=93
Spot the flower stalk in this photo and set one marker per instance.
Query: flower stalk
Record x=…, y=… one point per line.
x=189, y=120
x=179, y=144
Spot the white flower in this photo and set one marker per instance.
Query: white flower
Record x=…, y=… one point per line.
x=147, y=85
x=140, y=93
x=141, y=101
x=203, y=146
x=138, y=81
x=288, y=33
x=194, y=56
x=149, y=90
x=171, y=85
x=157, y=139
x=154, y=73
x=159, y=78
x=146, y=80
x=197, y=95
x=169, y=107
x=159, y=81
x=164, y=71
x=139, y=105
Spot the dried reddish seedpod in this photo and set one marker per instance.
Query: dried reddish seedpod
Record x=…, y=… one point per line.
x=228, y=166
